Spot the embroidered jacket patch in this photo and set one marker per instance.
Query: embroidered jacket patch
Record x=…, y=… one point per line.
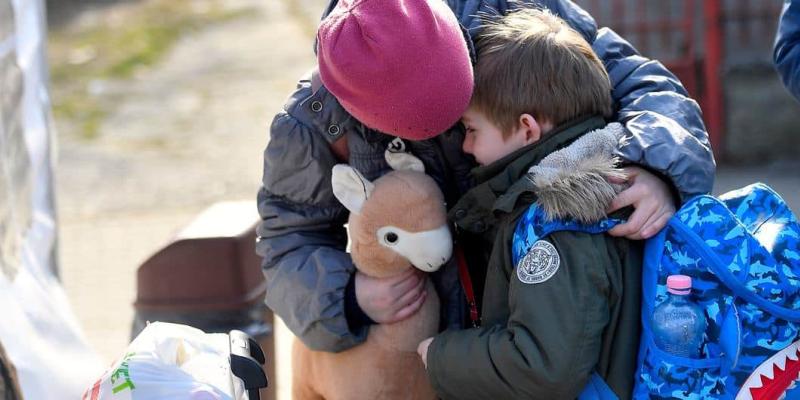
x=540, y=264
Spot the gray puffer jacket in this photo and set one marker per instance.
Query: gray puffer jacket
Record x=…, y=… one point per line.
x=301, y=236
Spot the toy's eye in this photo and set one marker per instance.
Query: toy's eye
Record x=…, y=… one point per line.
x=390, y=238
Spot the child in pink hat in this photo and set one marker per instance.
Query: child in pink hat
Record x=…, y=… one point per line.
x=397, y=66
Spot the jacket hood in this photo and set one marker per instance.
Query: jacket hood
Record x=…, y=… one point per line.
x=574, y=182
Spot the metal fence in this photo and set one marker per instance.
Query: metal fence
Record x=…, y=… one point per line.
x=696, y=40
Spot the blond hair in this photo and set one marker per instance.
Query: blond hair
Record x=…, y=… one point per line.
x=532, y=62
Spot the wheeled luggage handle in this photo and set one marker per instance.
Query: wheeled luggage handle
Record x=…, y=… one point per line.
x=246, y=360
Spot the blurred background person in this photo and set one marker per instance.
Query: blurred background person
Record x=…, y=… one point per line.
x=787, y=47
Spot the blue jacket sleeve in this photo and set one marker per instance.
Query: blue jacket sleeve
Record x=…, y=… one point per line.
x=665, y=126
x=301, y=235
x=787, y=47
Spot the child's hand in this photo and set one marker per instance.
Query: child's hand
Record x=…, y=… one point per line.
x=388, y=300
x=652, y=200
x=422, y=350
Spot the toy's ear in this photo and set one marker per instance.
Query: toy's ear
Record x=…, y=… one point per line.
x=403, y=161
x=350, y=187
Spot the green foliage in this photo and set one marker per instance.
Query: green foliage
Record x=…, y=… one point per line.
x=117, y=47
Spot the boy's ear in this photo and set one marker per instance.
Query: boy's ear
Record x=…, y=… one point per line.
x=530, y=128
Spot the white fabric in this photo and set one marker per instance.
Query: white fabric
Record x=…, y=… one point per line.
x=38, y=330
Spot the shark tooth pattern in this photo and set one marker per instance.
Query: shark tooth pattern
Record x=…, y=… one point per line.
x=773, y=377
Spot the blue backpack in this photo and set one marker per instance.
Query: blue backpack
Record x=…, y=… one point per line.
x=743, y=254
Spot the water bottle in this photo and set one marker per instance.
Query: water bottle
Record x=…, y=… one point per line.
x=678, y=324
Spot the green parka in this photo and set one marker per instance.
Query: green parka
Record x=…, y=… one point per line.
x=542, y=340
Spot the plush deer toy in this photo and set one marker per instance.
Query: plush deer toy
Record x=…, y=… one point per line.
x=396, y=223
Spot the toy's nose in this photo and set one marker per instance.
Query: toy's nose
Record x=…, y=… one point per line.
x=435, y=248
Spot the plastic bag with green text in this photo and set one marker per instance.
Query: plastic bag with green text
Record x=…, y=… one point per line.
x=170, y=362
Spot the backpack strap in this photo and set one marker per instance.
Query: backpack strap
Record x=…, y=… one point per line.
x=535, y=224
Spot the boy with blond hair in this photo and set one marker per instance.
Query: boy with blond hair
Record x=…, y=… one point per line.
x=558, y=308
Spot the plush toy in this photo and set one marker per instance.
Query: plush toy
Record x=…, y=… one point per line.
x=396, y=223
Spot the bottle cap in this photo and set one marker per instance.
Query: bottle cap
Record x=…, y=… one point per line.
x=679, y=284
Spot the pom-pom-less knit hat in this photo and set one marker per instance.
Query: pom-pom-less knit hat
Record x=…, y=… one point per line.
x=399, y=66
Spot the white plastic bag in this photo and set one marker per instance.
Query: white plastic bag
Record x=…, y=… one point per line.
x=39, y=331
x=171, y=362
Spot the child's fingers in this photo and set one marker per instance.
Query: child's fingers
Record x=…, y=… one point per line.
x=629, y=228
x=404, y=276
x=406, y=284
x=616, y=179
x=422, y=350
x=635, y=223
x=411, y=295
x=629, y=175
x=620, y=230
x=623, y=199
x=626, y=230
x=650, y=222
x=629, y=196
x=410, y=309
x=653, y=228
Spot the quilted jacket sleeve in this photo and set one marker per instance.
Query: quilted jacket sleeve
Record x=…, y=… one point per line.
x=301, y=235
x=787, y=47
x=665, y=130
x=665, y=126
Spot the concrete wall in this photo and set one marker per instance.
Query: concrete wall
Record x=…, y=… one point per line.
x=762, y=118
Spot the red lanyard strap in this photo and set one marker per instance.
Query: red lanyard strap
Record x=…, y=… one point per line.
x=466, y=283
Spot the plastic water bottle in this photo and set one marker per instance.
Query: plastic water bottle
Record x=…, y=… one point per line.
x=679, y=324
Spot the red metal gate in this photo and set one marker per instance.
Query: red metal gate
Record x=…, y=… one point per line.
x=694, y=40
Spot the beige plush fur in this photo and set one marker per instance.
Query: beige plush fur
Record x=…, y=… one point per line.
x=386, y=366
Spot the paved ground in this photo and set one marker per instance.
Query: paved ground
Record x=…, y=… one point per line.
x=188, y=133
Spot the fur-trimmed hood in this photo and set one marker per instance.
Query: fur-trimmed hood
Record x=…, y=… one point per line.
x=574, y=182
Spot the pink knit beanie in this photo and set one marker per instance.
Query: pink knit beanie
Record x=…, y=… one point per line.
x=399, y=66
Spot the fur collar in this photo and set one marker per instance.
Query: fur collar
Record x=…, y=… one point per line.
x=573, y=182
